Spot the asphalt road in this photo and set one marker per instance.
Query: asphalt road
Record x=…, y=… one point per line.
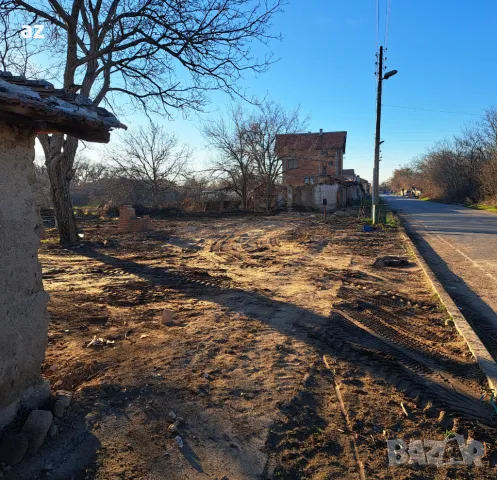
x=460, y=245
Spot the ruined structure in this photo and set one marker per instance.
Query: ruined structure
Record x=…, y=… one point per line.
x=28, y=108
x=337, y=192
x=129, y=222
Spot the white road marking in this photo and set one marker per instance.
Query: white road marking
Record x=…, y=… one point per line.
x=458, y=251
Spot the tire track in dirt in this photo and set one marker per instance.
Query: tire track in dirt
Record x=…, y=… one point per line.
x=439, y=381
x=379, y=321
x=237, y=370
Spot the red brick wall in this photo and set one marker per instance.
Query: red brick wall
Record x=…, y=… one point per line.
x=310, y=165
x=128, y=222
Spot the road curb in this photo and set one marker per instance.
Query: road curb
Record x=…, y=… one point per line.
x=478, y=350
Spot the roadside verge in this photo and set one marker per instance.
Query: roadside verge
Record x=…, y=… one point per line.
x=475, y=345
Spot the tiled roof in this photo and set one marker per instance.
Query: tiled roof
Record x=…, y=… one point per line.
x=49, y=110
x=311, y=141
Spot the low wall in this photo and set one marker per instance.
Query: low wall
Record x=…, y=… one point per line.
x=322, y=191
x=311, y=196
x=129, y=222
x=23, y=314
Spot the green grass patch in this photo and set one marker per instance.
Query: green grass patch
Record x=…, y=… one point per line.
x=474, y=206
x=391, y=220
x=49, y=240
x=481, y=206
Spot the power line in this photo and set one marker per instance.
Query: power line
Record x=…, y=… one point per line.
x=430, y=110
x=377, y=23
x=420, y=131
x=431, y=140
x=387, y=21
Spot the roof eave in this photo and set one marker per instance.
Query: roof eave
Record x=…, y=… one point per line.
x=45, y=120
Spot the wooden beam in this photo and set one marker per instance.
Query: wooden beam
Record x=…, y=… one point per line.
x=89, y=136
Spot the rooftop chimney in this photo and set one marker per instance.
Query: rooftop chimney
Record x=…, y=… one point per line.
x=320, y=131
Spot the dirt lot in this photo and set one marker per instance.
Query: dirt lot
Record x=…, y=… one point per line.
x=289, y=355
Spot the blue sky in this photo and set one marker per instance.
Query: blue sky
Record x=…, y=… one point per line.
x=444, y=50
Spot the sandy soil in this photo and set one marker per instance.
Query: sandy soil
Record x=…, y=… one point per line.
x=289, y=355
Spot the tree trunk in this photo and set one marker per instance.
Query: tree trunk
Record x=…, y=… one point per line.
x=61, y=198
x=245, y=198
x=155, y=195
x=59, y=160
x=268, y=193
x=60, y=150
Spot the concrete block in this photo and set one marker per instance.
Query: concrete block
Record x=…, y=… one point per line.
x=36, y=395
x=53, y=431
x=8, y=413
x=36, y=428
x=58, y=409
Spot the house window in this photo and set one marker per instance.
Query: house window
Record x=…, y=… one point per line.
x=323, y=169
x=292, y=163
x=330, y=164
x=309, y=180
x=324, y=153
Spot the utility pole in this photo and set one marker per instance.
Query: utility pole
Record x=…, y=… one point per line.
x=376, y=168
x=377, y=141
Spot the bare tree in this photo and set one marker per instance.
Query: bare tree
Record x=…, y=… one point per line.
x=87, y=171
x=269, y=120
x=42, y=186
x=403, y=178
x=163, y=55
x=17, y=54
x=228, y=136
x=151, y=156
x=461, y=169
x=246, y=142
x=192, y=191
x=488, y=172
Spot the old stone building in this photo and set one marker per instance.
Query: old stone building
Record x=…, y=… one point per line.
x=306, y=157
x=28, y=108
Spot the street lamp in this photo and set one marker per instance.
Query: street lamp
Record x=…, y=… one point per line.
x=389, y=74
x=377, y=142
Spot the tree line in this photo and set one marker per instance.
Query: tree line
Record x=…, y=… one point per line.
x=148, y=165
x=462, y=169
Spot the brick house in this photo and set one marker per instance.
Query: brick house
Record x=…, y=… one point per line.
x=308, y=156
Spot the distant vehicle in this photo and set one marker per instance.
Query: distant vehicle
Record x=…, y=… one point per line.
x=408, y=193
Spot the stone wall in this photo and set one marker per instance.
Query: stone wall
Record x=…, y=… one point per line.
x=23, y=314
